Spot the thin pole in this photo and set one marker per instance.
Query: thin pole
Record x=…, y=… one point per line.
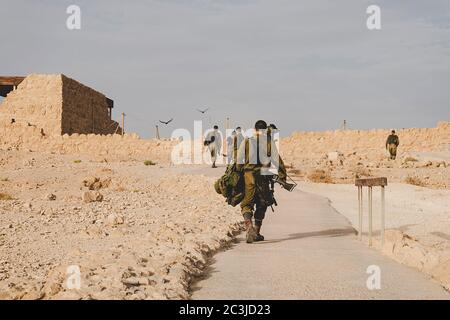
x=383, y=210
x=370, y=216
x=360, y=207
x=157, y=132
x=123, y=124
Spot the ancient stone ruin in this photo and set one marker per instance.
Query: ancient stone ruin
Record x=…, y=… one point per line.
x=56, y=105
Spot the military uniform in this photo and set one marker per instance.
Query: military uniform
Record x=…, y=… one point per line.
x=257, y=157
x=392, y=143
x=215, y=144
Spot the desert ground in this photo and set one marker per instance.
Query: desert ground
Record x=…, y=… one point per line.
x=140, y=227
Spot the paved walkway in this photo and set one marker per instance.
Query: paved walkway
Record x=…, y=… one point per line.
x=311, y=252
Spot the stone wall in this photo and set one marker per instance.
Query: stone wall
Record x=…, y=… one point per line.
x=36, y=102
x=111, y=147
x=84, y=110
x=57, y=105
x=316, y=144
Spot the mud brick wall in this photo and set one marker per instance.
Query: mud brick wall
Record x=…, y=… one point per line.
x=84, y=110
x=57, y=105
x=37, y=102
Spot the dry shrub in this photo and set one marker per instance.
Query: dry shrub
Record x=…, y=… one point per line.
x=76, y=161
x=149, y=163
x=295, y=172
x=415, y=181
x=95, y=183
x=5, y=196
x=410, y=159
x=320, y=176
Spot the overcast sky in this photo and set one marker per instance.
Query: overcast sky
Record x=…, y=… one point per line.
x=304, y=65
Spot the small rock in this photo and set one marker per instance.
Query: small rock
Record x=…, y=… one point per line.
x=50, y=197
x=92, y=196
x=114, y=219
x=135, y=281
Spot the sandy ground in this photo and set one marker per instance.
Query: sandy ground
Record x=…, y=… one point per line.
x=418, y=219
x=153, y=227
x=151, y=232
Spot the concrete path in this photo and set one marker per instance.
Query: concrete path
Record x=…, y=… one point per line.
x=311, y=252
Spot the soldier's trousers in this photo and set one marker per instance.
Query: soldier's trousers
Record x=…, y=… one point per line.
x=213, y=152
x=392, y=150
x=256, y=190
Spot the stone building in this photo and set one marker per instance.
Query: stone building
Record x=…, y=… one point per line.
x=56, y=104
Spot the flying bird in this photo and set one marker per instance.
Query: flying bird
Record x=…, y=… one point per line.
x=203, y=111
x=166, y=122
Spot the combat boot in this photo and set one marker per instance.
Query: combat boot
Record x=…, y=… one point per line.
x=258, y=236
x=250, y=237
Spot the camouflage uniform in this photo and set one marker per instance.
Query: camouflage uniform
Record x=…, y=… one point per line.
x=257, y=191
x=215, y=145
x=392, y=143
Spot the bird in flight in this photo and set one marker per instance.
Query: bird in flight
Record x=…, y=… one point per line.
x=203, y=111
x=166, y=122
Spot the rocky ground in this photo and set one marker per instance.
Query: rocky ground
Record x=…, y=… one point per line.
x=431, y=170
x=141, y=231
x=134, y=231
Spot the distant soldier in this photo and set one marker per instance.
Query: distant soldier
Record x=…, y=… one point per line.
x=214, y=142
x=233, y=144
x=239, y=137
x=392, y=143
x=231, y=147
x=255, y=158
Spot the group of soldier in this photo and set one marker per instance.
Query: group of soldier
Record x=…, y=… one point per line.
x=255, y=157
x=246, y=154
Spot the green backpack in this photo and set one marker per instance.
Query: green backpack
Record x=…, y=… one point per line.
x=231, y=185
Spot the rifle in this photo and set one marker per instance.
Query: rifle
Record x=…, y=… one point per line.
x=285, y=185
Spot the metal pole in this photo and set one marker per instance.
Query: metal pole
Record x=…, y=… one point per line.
x=360, y=207
x=123, y=124
x=370, y=216
x=383, y=210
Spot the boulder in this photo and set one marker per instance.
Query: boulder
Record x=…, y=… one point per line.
x=92, y=196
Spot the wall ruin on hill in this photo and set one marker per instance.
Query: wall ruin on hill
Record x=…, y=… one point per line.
x=57, y=105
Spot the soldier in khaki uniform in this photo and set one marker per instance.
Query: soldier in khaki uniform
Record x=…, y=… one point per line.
x=214, y=142
x=255, y=157
x=392, y=143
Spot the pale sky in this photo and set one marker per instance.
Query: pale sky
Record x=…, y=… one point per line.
x=304, y=65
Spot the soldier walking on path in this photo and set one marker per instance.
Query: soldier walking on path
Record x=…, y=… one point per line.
x=214, y=142
x=392, y=143
x=255, y=157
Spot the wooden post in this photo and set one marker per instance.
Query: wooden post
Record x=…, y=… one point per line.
x=360, y=211
x=370, y=216
x=383, y=210
x=370, y=183
x=123, y=124
x=157, y=133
